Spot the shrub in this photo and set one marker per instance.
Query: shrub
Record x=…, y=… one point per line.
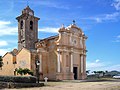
x=20, y=71
x=24, y=71
x=30, y=73
x=18, y=79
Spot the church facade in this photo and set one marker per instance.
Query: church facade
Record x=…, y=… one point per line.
x=61, y=57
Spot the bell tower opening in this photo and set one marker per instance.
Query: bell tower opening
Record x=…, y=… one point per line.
x=27, y=29
x=31, y=25
x=21, y=25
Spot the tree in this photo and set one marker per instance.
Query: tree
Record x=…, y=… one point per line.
x=99, y=73
x=95, y=72
x=87, y=72
x=106, y=71
x=1, y=62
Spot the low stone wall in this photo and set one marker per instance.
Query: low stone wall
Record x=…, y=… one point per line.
x=19, y=85
x=3, y=85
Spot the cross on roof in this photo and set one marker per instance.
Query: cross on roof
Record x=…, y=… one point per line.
x=74, y=22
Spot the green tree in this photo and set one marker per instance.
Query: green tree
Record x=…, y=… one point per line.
x=99, y=73
x=106, y=71
x=95, y=72
x=87, y=72
x=1, y=62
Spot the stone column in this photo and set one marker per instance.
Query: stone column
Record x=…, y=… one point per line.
x=40, y=63
x=58, y=61
x=70, y=39
x=82, y=64
x=85, y=65
x=71, y=62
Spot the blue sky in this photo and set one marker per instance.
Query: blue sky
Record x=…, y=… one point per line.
x=99, y=19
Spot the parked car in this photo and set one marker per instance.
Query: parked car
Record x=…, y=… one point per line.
x=117, y=76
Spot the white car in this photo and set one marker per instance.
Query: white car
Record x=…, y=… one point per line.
x=117, y=76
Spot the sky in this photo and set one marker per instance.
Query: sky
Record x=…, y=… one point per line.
x=99, y=20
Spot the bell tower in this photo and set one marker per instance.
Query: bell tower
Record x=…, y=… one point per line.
x=27, y=29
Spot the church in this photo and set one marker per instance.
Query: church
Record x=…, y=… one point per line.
x=61, y=57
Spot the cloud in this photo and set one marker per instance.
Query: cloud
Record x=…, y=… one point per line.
x=49, y=29
x=112, y=16
x=118, y=36
x=108, y=17
x=3, y=23
x=6, y=29
x=4, y=51
x=98, y=19
x=3, y=43
x=97, y=60
x=116, y=4
x=117, y=39
x=105, y=17
x=96, y=64
x=113, y=67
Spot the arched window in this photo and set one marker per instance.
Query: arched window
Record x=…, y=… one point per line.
x=31, y=25
x=21, y=25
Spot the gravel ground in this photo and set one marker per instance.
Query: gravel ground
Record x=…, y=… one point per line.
x=76, y=85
